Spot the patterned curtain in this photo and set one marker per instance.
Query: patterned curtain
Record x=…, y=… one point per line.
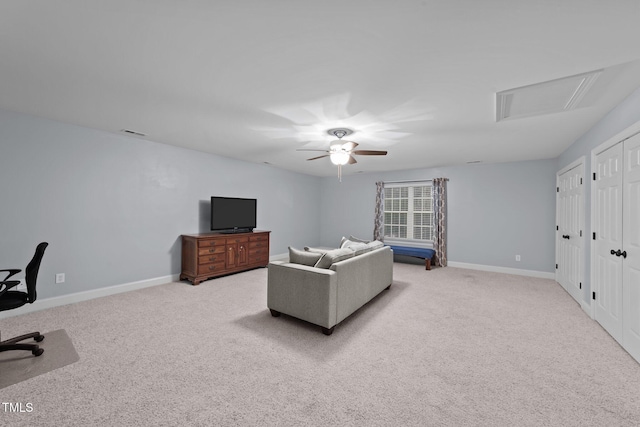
x=378, y=221
x=440, y=222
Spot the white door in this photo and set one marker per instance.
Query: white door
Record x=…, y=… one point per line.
x=631, y=247
x=569, y=235
x=607, y=267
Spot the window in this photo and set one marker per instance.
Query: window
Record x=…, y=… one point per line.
x=408, y=212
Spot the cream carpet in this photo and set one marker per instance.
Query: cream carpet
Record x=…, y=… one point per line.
x=449, y=347
x=19, y=365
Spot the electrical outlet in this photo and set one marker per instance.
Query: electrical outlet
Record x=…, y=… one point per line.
x=517, y=257
x=60, y=278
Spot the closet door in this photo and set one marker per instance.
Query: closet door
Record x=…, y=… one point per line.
x=631, y=247
x=608, y=237
x=570, y=202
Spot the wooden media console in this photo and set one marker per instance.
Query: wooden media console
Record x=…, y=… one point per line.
x=209, y=255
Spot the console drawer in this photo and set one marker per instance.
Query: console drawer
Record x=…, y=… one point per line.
x=210, y=242
x=259, y=244
x=263, y=251
x=211, y=268
x=208, y=259
x=234, y=240
x=218, y=249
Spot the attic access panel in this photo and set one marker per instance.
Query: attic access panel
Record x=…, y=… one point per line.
x=552, y=96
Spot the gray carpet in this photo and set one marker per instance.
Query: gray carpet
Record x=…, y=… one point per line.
x=16, y=366
x=449, y=347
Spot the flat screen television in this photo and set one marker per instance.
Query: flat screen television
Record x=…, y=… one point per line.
x=233, y=214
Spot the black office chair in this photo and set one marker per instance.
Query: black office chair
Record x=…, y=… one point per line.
x=14, y=299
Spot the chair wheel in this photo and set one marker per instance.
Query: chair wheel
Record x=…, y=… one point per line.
x=37, y=352
x=39, y=338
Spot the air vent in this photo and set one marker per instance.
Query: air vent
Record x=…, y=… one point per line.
x=553, y=96
x=133, y=132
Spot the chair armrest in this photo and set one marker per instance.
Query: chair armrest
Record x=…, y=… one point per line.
x=11, y=272
x=5, y=285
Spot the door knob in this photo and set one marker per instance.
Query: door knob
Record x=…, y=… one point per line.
x=624, y=254
x=618, y=252
x=613, y=252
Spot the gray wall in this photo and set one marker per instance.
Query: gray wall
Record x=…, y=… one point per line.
x=621, y=117
x=495, y=211
x=113, y=207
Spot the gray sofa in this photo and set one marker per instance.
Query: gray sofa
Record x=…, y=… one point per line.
x=327, y=290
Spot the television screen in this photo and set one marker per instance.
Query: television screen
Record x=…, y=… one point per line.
x=232, y=213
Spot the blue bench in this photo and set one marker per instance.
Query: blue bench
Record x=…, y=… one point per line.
x=425, y=253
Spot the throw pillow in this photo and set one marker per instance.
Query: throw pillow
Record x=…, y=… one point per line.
x=297, y=256
x=355, y=239
x=316, y=250
x=344, y=242
x=333, y=256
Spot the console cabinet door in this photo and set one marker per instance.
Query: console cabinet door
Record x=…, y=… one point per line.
x=231, y=255
x=243, y=253
x=237, y=253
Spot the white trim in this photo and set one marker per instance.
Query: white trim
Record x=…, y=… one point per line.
x=42, y=304
x=45, y=303
x=506, y=270
x=619, y=137
x=581, y=274
x=588, y=308
x=572, y=165
x=412, y=183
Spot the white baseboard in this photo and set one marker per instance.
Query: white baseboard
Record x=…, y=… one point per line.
x=506, y=270
x=45, y=303
x=588, y=308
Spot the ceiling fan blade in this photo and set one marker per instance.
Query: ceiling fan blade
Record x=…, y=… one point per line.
x=369, y=152
x=349, y=145
x=352, y=160
x=319, y=157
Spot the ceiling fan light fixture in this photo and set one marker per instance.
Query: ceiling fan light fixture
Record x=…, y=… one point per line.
x=339, y=157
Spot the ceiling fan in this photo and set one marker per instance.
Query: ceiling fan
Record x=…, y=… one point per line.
x=341, y=152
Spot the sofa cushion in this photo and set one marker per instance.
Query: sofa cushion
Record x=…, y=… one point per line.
x=297, y=256
x=375, y=244
x=333, y=256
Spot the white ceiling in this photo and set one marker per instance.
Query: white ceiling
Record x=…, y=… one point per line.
x=256, y=80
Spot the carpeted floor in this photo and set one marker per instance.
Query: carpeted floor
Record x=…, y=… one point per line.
x=449, y=347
